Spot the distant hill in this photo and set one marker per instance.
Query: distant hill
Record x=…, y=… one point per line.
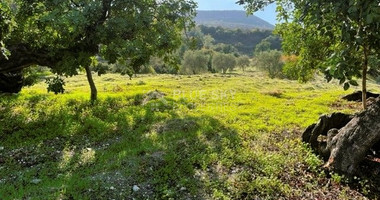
x=231, y=19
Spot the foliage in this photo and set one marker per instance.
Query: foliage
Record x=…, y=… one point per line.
x=269, y=43
x=223, y=62
x=225, y=49
x=342, y=35
x=264, y=45
x=243, y=40
x=270, y=62
x=6, y=23
x=243, y=62
x=34, y=74
x=147, y=69
x=194, y=62
x=65, y=35
x=55, y=85
x=293, y=70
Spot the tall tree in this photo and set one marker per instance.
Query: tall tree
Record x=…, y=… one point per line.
x=338, y=37
x=64, y=35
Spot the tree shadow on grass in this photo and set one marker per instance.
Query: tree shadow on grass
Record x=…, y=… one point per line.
x=115, y=149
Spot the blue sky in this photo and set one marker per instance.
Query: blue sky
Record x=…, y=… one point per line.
x=269, y=13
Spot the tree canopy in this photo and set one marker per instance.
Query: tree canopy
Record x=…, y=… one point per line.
x=64, y=35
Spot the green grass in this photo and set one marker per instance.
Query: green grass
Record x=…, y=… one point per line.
x=211, y=137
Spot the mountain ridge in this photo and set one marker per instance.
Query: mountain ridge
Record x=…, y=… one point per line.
x=230, y=19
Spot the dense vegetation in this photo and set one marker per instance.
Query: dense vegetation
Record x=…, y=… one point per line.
x=244, y=41
x=67, y=36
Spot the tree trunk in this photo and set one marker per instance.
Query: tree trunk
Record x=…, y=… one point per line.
x=94, y=91
x=349, y=147
x=11, y=82
x=349, y=138
x=364, y=81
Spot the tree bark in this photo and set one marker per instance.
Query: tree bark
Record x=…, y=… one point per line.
x=349, y=138
x=11, y=82
x=321, y=128
x=352, y=142
x=364, y=81
x=94, y=91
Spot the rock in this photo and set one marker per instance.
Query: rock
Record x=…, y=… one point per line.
x=182, y=189
x=347, y=140
x=1, y=148
x=357, y=96
x=135, y=188
x=36, y=181
x=112, y=188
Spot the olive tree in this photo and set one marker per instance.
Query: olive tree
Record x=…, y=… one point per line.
x=223, y=62
x=243, y=62
x=194, y=62
x=270, y=62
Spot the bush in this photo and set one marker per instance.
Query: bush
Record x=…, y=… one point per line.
x=55, y=85
x=293, y=69
x=147, y=69
x=160, y=67
x=270, y=62
x=194, y=62
x=223, y=62
x=243, y=62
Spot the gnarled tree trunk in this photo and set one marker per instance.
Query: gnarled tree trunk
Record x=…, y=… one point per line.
x=351, y=144
x=349, y=138
x=11, y=82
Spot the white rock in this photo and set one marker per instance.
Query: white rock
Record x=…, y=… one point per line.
x=36, y=181
x=136, y=188
x=112, y=188
x=1, y=148
x=183, y=189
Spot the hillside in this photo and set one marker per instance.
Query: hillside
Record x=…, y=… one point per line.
x=244, y=41
x=231, y=19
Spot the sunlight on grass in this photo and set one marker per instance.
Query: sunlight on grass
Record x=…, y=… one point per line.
x=210, y=136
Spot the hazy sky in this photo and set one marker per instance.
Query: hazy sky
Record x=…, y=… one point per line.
x=269, y=13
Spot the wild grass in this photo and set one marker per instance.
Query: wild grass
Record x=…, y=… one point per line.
x=211, y=136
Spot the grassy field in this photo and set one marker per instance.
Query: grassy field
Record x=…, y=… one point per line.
x=213, y=136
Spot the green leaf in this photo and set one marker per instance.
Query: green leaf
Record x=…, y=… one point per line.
x=342, y=81
x=346, y=86
x=353, y=82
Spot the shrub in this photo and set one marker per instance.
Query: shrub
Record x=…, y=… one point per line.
x=270, y=62
x=160, y=67
x=243, y=62
x=55, y=85
x=194, y=62
x=223, y=62
x=147, y=69
x=293, y=69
